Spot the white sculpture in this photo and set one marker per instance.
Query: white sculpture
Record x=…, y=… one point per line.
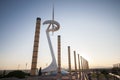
x=52, y=27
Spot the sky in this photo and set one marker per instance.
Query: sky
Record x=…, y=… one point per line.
x=89, y=27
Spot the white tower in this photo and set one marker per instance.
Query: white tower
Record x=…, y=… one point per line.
x=52, y=27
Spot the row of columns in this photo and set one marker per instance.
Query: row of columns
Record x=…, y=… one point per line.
x=82, y=63
x=116, y=65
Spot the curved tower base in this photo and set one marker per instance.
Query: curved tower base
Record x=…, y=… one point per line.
x=52, y=67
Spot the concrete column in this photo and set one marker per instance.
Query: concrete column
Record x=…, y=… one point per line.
x=35, y=48
x=75, y=65
x=81, y=63
x=79, y=67
x=69, y=63
x=59, y=59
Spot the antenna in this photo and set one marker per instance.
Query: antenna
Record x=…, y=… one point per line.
x=53, y=10
x=53, y=20
x=53, y=13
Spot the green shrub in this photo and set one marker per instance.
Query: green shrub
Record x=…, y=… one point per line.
x=18, y=74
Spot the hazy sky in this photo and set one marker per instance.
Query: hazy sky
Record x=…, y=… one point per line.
x=91, y=27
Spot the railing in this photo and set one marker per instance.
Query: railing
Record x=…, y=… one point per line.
x=117, y=76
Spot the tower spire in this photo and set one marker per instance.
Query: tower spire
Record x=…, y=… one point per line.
x=53, y=19
x=53, y=13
